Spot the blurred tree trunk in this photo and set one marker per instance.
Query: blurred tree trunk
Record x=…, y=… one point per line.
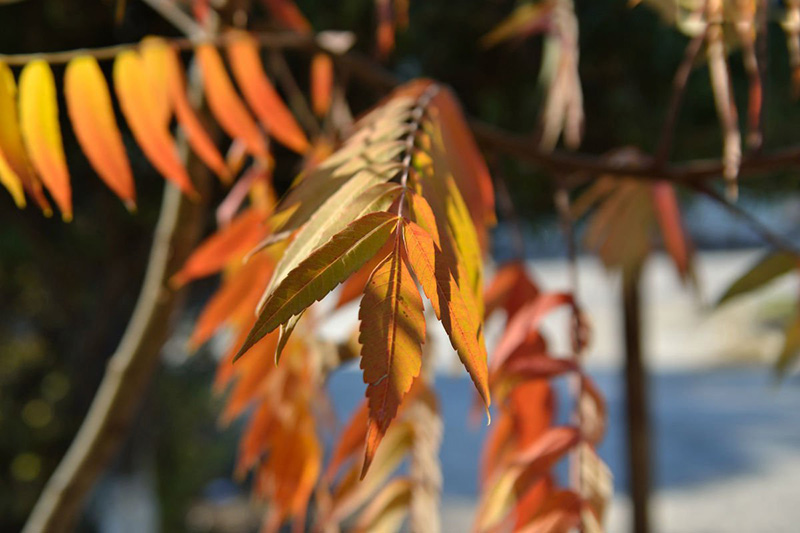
x=636, y=401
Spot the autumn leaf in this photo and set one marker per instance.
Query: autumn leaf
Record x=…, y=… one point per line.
x=321, y=83
x=321, y=271
x=459, y=316
x=243, y=53
x=767, y=269
x=41, y=133
x=13, y=160
x=144, y=116
x=163, y=57
x=392, y=332
x=228, y=244
x=225, y=104
x=92, y=117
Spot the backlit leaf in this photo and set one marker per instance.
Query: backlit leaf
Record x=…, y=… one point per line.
x=768, y=268
x=92, y=117
x=226, y=105
x=365, y=193
x=187, y=117
x=392, y=332
x=321, y=83
x=459, y=316
x=41, y=133
x=243, y=54
x=144, y=118
x=321, y=271
x=228, y=244
x=13, y=161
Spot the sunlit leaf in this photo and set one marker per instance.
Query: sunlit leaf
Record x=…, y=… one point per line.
x=243, y=53
x=163, y=56
x=321, y=271
x=146, y=122
x=41, y=132
x=228, y=108
x=92, y=117
x=459, y=316
x=321, y=83
x=13, y=160
x=392, y=332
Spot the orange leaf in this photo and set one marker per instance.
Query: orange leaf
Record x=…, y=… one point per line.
x=148, y=127
x=510, y=289
x=669, y=219
x=351, y=439
x=243, y=54
x=226, y=105
x=155, y=59
x=163, y=56
x=237, y=296
x=385, y=32
x=392, y=332
x=321, y=83
x=38, y=114
x=92, y=117
x=559, y=512
x=287, y=13
x=458, y=314
x=543, y=452
x=229, y=243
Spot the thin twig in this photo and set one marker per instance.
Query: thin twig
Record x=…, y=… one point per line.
x=172, y=13
x=679, y=84
x=271, y=40
x=763, y=231
x=297, y=101
x=582, y=167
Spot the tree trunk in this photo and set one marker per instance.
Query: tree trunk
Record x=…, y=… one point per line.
x=636, y=402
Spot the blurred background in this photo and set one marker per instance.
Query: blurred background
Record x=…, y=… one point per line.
x=726, y=435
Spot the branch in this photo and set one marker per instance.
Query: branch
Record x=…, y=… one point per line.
x=583, y=167
x=129, y=369
x=756, y=225
x=679, y=84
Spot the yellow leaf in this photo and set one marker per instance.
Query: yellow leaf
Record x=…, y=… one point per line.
x=11, y=148
x=164, y=57
x=92, y=117
x=143, y=116
x=41, y=133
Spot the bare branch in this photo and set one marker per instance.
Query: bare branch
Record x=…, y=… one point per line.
x=678, y=91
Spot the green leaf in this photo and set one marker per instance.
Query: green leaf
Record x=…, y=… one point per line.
x=365, y=193
x=321, y=272
x=765, y=270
